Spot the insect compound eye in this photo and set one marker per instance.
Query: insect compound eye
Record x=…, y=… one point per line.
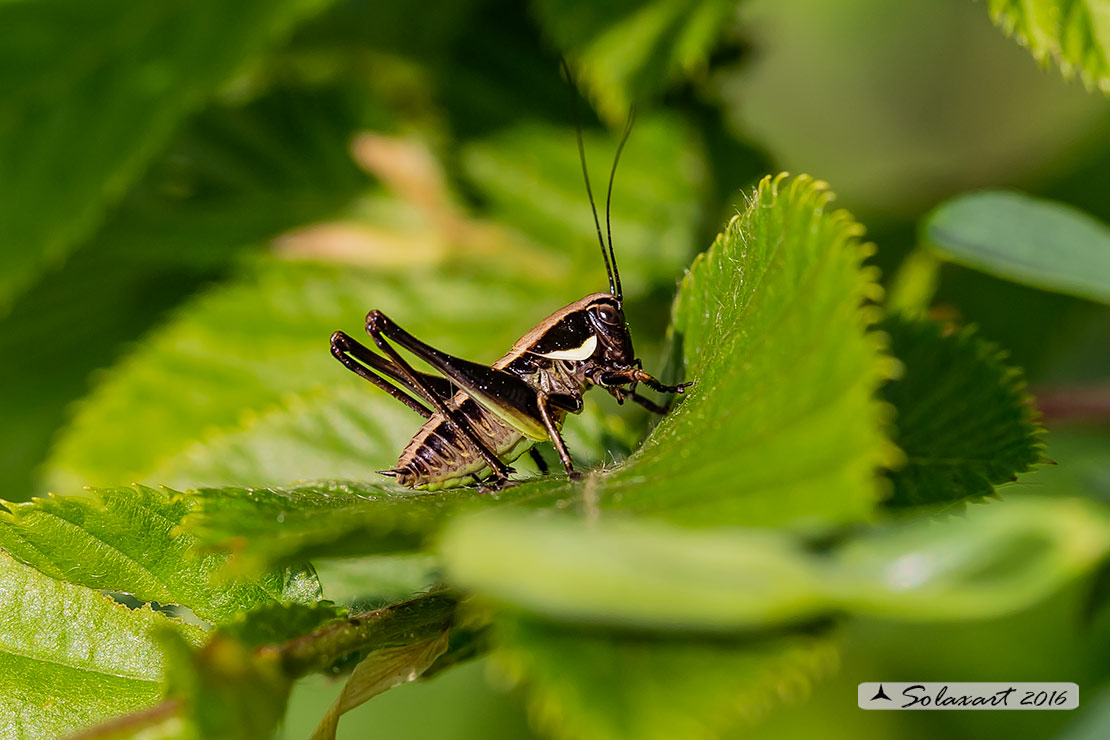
x=608, y=314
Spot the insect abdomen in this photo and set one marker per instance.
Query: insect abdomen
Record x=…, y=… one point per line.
x=440, y=457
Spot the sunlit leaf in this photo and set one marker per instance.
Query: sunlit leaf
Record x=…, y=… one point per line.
x=70, y=657
x=995, y=560
x=773, y=333
x=128, y=540
x=1035, y=242
x=637, y=575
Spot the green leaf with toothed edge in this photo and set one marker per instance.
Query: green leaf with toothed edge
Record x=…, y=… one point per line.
x=128, y=540
x=964, y=420
x=70, y=657
x=771, y=328
x=1073, y=33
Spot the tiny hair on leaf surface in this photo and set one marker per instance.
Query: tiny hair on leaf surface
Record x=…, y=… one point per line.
x=129, y=540
x=1027, y=240
x=70, y=656
x=964, y=420
x=771, y=326
x=1073, y=33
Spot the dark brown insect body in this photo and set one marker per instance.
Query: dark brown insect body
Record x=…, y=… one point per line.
x=480, y=418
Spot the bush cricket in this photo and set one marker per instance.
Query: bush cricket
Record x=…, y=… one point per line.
x=480, y=418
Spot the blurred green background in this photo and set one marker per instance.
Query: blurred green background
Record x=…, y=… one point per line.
x=896, y=105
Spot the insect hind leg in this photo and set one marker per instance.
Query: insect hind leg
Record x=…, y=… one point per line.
x=359, y=360
x=381, y=329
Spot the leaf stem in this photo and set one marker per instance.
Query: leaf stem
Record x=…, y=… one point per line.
x=1077, y=403
x=405, y=623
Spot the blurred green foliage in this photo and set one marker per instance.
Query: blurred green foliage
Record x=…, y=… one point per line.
x=195, y=196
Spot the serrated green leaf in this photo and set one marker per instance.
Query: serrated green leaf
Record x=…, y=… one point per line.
x=964, y=421
x=1074, y=33
x=94, y=94
x=1034, y=242
x=771, y=328
x=629, y=51
x=609, y=686
x=324, y=519
x=128, y=540
x=70, y=657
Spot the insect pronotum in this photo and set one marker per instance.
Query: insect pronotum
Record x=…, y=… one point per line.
x=480, y=418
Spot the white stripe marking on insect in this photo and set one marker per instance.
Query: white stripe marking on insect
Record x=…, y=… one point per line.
x=578, y=353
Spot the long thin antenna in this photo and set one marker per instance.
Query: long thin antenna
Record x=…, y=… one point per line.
x=609, y=199
x=610, y=267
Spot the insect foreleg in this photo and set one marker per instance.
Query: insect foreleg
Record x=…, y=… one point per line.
x=352, y=355
x=655, y=385
x=556, y=438
x=380, y=329
x=635, y=375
